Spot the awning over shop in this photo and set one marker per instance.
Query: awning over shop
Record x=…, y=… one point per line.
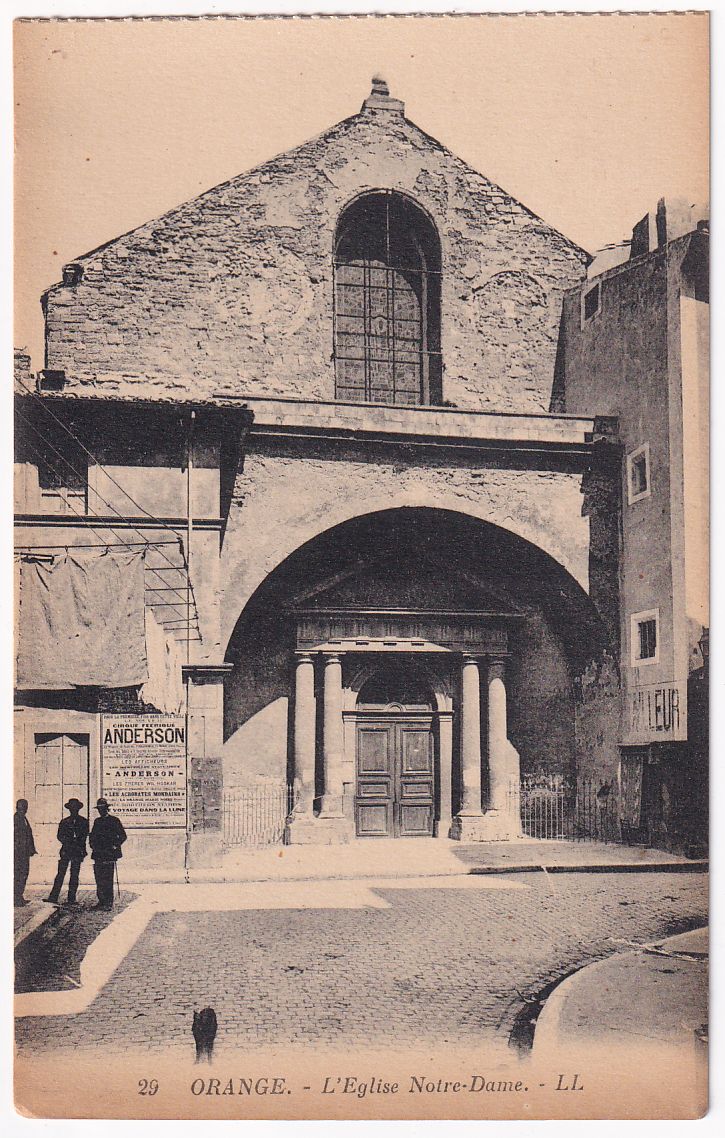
x=82, y=620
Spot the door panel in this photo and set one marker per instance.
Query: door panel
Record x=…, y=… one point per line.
x=375, y=780
x=415, y=749
x=61, y=772
x=415, y=780
x=416, y=821
x=374, y=821
x=46, y=809
x=374, y=753
x=395, y=781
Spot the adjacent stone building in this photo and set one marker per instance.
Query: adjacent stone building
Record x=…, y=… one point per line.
x=329, y=403
x=635, y=342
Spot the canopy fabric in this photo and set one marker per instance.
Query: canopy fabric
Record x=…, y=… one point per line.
x=164, y=688
x=81, y=620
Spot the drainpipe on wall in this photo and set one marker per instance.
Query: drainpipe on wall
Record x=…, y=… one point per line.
x=189, y=532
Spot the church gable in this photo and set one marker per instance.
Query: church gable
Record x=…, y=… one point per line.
x=232, y=292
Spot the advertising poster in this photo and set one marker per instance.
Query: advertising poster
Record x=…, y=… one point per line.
x=144, y=768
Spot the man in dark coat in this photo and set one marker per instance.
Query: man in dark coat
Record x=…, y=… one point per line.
x=24, y=850
x=72, y=834
x=106, y=839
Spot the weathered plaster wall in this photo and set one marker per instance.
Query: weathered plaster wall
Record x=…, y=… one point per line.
x=541, y=698
x=232, y=292
x=598, y=711
x=618, y=361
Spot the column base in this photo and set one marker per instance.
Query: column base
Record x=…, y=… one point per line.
x=308, y=830
x=331, y=806
x=493, y=826
x=205, y=850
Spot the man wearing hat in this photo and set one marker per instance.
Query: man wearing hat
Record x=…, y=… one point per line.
x=72, y=834
x=24, y=850
x=107, y=837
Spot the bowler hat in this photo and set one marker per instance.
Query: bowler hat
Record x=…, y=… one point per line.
x=73, y=802
x=102, y=802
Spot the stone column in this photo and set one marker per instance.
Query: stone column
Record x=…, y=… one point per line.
x=445, y=746
x=470, y=738
x=498, y=774
x=504, y=814
x=304, y=733
x=332, y=741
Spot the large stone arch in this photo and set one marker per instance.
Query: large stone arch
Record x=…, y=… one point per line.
x=542, y=508
x=445, y=558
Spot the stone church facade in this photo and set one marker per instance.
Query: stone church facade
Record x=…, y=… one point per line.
x=341, y=367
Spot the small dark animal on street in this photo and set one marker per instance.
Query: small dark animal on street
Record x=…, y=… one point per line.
x=204, y=1031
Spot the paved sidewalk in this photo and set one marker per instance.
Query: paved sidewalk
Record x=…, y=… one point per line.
x=409, y=857
x=657, y=993
x=384, y=859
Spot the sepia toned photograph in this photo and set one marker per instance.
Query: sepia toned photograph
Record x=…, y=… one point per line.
x=361, y=391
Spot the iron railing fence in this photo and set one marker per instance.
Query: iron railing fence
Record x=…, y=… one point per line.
x=545, y=806
x=256, y=816
x=553, y=807
x=560, y=808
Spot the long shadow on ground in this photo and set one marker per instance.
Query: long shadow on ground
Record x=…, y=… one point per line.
x=49, y=959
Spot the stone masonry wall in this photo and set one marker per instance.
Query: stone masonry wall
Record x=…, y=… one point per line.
x=232, y=292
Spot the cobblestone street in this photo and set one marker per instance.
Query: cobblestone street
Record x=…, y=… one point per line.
x=443, y=962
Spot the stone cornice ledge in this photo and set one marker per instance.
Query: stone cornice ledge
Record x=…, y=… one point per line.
x=208, y=672
x=419, y=425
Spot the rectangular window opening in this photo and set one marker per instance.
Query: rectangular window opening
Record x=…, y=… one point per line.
x=638, y=474
x=591, y=302
x=63, y=483
x=645, y=637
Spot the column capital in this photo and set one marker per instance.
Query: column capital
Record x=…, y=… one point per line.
x=304, y=657
x=471, y=658
x=332, y=657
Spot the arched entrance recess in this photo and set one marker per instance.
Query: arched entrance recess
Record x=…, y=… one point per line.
x=420, y=591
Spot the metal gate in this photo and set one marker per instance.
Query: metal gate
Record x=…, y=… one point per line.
x=554, y=807
x=256, y=815
x=545, y=807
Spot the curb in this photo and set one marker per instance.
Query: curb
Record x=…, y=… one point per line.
x=465, y=871
x=547, y=1033
x=614, y=867
x=700, y=866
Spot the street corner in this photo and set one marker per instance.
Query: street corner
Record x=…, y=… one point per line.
x=650, y=994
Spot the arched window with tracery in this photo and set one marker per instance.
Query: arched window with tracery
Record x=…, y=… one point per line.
x=387, y=269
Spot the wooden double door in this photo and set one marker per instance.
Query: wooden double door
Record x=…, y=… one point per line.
x=395, y=792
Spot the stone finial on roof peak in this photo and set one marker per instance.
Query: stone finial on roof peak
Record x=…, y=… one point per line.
x=379, y=98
